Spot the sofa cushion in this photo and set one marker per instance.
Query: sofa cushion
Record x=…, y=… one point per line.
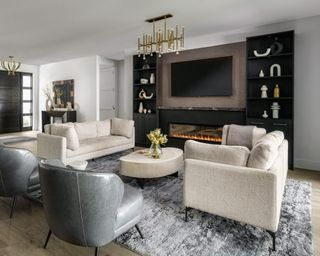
x=103, y=128
x=96, y=144
x=233, y=155
x=265, y=150
x=69, y=133
x=47, y=127
x=86, y=130
x=122, y=127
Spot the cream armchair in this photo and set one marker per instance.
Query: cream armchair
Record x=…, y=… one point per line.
x=218, y=181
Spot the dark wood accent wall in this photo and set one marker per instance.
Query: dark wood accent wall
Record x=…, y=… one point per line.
x=238, y=98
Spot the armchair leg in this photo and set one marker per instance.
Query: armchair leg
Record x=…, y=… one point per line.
x=96, y=252
x=13, y=204
x=139, y=231
x=186, y=214
x=48, y=238
x=273, y=235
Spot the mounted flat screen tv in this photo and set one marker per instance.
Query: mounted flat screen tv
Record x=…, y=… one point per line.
x=200, y=78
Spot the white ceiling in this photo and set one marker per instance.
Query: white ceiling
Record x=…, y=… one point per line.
x=43, y=31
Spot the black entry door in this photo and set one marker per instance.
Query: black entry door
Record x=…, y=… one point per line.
x=10, y=102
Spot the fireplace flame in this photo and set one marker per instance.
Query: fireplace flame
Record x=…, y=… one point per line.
x=197, y=137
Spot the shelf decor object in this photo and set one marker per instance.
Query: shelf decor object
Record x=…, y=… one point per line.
x=275, y=110
x=276, y=91
x=264, y=90
x=276, y=47
x=140, y=110
x=152, y=78
x=161, y=41
x=266, y=53
x=261, y=110
x=265, y=115
x=276, y=67
x=261, y=74
x=10, y=65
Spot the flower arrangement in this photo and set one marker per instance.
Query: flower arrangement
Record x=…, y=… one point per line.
x=156, y=138
x=47, y=91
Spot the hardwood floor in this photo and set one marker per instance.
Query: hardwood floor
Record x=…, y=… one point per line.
x=25, y=233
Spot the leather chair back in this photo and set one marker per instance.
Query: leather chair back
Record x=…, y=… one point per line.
x=16, y=165
x=80, y=207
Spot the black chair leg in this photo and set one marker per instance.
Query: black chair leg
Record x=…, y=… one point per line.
x=47, y=240
x=186, y=214
x=96, y=253
x=139, y=231
x=273, y=235
x=13, y=206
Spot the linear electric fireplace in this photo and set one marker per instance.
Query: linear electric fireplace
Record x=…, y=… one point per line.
x=196, y=132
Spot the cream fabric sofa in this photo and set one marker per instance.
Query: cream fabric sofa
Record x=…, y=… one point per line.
x=70, y=142
x=218, y=180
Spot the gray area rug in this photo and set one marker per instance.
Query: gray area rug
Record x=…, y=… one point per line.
x=166, y=233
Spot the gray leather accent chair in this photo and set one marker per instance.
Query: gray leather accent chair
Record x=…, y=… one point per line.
x=87, y=208
x=18, y=173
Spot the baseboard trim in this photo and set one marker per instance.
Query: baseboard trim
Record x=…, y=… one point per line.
x=307, y=164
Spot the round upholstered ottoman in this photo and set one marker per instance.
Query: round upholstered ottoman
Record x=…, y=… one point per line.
x=140, y=166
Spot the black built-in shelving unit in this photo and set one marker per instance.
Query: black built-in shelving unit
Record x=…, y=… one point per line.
x=144, y=123
x=255, y=104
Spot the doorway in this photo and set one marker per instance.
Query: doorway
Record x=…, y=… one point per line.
x=107, y=92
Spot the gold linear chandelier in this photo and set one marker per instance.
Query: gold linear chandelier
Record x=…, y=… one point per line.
x=161, y=41
x=10, y=65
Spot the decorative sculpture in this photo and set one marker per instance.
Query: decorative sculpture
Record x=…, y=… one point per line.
x=275, y=110
x=152, y=78
x=261, y=74
x=264, y=90
x=276, y=91
x=140, y=110
x=278, y=69
x=276, y=47
x=143, y=81
x=266, y=53
x=143, y=95
x=265, y=115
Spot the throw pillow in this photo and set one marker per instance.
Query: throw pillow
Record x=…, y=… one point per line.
x=103, y=128
x=86, y=130
x=122, y=127
x=69, y=133
x=265, y=151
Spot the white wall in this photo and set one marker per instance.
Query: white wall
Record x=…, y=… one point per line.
x=84, y=73
x=125, y=88
x=35, y=75
x=307, y=81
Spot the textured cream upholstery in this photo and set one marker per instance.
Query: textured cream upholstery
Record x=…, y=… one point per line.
x=99, y=143
x=51, y=147
x=86, y=130
x=69, y=133
x=244, y=194
x=257, y=133
x=103, y=128
x=122, y=127
x=234, y=155
x=265, y=151
x=95, y=141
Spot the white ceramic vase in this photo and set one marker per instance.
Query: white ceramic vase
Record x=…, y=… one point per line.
x=152, y=78
x=140, y=110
